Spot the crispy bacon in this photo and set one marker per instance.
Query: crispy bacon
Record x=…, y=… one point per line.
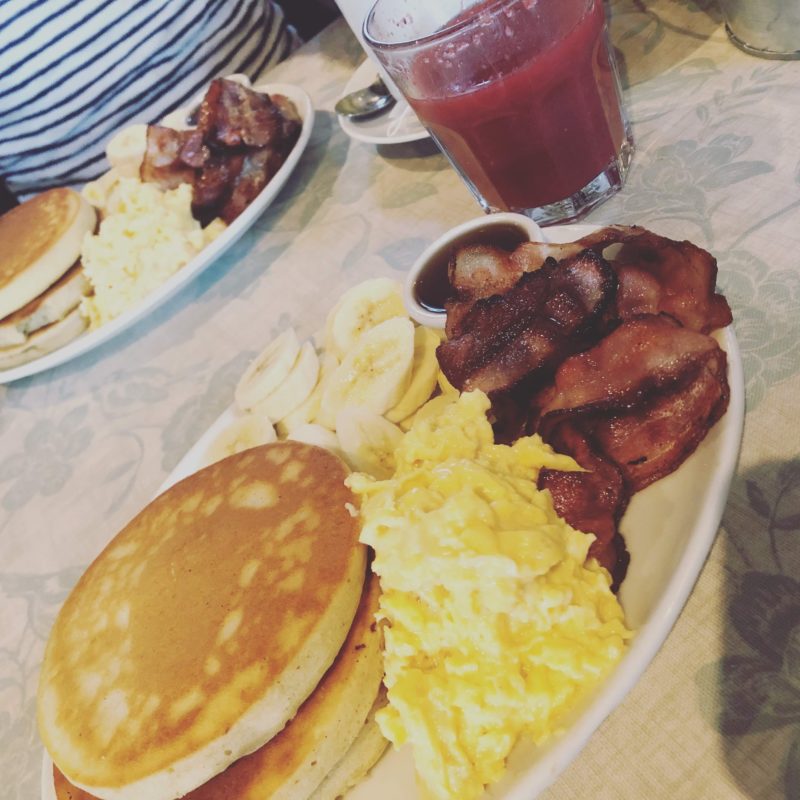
x=231, y=115
x=240, y=142
x=657, y=274
x=548, y=315
x=213, y=184
x=645, y=395
x=530, y=256
x=592, y=501
x=162, y=163
x=258, y=166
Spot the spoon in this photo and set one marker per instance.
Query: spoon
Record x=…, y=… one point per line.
x=365, y=102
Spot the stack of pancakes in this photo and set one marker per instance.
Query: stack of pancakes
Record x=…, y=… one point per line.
x=41, y=280
x=223, y=645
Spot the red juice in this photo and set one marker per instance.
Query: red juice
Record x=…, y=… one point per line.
x=530, y=118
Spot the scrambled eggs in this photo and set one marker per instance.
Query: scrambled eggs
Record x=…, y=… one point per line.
x=145, y=236
x=497, y=624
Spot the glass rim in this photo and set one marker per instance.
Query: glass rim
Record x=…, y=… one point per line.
x=439, y=33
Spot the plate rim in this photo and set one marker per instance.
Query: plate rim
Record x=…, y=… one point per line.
x=92, y=339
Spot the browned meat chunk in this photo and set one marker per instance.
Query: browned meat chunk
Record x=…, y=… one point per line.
x=162, y=163
x=548, y=315
x=645, y=395
x=592, y=501
x=241, y=140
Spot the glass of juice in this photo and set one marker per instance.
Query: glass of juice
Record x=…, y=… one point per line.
x=522, y=96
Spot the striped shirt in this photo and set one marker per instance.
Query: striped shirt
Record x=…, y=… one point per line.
x=73, y=72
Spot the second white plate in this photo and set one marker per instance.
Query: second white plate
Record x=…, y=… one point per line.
x=91, y=339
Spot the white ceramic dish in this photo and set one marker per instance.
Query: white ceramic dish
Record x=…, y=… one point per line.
x=397, y=126
x=90, y=340
x=669, y=529
x=482, y=229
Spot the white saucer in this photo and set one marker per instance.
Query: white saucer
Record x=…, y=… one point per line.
x=397, y=126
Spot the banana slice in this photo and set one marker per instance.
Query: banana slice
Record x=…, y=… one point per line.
x=268, y=371
x=424, y=372
x=250, y=430
x=362, y=308
x=374, y=374
x=368, y=441
x=125, y=150
x=308, y=410
x=316, y=434
x=297, y=386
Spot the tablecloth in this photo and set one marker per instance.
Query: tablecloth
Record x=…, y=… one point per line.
x=84, y=446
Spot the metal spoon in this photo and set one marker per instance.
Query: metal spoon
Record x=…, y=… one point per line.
x=366, y=102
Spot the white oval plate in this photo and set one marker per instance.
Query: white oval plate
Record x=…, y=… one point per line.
x=88, y=341
x=397, y=126
x=669, y=529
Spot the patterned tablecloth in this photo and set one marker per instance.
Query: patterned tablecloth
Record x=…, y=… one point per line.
x=84, y=446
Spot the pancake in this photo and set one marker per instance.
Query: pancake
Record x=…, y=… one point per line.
x=44, y=340
x=367, y=748
x=199, y=631
x=294, y=762
x=41, y=241
x=50, y=306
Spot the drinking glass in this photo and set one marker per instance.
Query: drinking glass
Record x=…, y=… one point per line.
x=354, y=13
x=522, y=96
x=766, y=28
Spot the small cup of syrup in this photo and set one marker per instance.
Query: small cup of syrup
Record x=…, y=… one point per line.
x=427, y=285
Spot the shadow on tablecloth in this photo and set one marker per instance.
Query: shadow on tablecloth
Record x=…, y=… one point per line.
x=751, y=695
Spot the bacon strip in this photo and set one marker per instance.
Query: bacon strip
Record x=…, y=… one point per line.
x=657, y=275
x=645, y=395
x=592, y=501
x=162, y=163
x=231, y=115
x=548, y=315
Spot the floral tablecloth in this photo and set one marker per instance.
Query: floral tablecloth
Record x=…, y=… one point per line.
x=84, y=446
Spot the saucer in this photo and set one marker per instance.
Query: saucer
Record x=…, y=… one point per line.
x=397, y=126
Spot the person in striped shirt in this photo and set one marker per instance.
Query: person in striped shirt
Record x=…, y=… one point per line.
x=72, y=72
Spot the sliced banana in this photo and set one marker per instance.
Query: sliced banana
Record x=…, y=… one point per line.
x=374, y=374
x=296, y=388
x=249, y=430
x=308, y=410
x=268, y=370
x=368, y=441
x=362, y=308
x=310, y=433
x=99, y=191
x=125, y=150
x=424, y=372
x=327, y=333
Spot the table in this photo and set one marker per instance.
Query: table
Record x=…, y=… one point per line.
x=717, y=714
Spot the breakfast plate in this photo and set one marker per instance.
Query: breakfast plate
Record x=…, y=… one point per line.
x=93, y=338
x=398, y=126
x=669, y=529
